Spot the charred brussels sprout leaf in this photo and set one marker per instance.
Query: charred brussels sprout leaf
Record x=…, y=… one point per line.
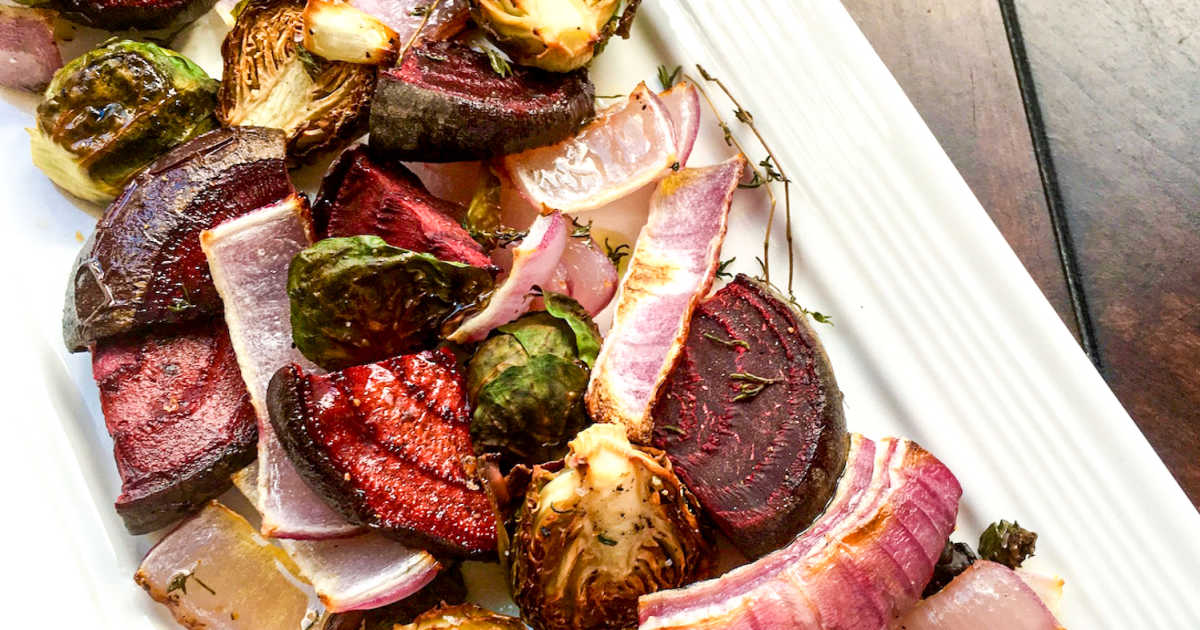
x=527, y=382
x=1007, y=543
x=462, y=617
x=612, y=524
x=955, y=559
x=271, y=80
x=357, y=300
x=555, y=35
x=110, y=112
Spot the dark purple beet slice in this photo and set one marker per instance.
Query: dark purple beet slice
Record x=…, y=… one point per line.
x=180, y=418
x=143, y=264
x=384, y=444
x=360, y=195
x=119, y=15
x=445, y=103
x=751, y=417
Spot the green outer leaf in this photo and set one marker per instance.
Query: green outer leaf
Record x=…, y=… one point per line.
x=530, y=411
x=587, y=334
x=357, y=299
x=493, y=357
x=542, y=333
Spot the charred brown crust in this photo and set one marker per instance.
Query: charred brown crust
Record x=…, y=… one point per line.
x=418, y=113
x=779, y=474
x=143, y=265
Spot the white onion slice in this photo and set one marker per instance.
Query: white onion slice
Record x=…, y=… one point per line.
x=249, y=258
x=683, y=103
x=626, y=147
x=534, y=262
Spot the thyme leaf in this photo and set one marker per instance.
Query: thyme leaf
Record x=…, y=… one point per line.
x=606, y=540
x=179, y=582
x=419, y=10
x=581, y=230
x=673, y=429
x=732, y=342
x=751, y=385
x=499, y=64
x=721, y=268
x=615, y=254
x=667, y=78
x=817, y=316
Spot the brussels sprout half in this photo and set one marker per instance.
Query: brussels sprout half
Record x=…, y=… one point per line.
x=612, y=524
x=555, y=35
x=110, y=112
x=271, y=80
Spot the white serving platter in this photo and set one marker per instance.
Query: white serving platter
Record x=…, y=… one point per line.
x=940, y=334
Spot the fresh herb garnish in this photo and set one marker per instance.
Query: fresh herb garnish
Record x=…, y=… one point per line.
x=667, y=78
x=605, y=540
x=1007, y=543
x=732, y=342
x=615, y=254
x=581, y=230
x=721, y=273
x=751, y=385
x=179, y=582
x=818, y=316
x=419, y=10
x=499, y=64
x=428, y=10
x=673, y=429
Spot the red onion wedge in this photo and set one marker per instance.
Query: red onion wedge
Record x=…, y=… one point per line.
x=624, y=148
x=249, y=258
x=534, y=262
x=864, y=561
x=28, y=54
x=672, y=268
x=584, y=272
x=452, y=181
x=683, y=104
x=405, y=17
x=215, y=572
x=358, y=573
x=986, y=595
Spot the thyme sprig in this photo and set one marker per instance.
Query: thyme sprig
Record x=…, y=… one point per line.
x=667, y=78
x=751, y=385
x=500, y=65
x=732, y=342
x=581, y=230
x=179, y=582
x=768, y=170
x=721, y=268
x=615, y=254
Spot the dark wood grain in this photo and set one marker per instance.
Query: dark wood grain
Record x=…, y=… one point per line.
x=1119, y=85
x=952, y=59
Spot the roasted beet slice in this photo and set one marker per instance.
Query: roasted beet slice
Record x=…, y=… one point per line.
x=143, y=264
x=361, y=195
x=384, y=444
x=180, y=418
x=119, y=15
x=445, y=103
x=751, y=417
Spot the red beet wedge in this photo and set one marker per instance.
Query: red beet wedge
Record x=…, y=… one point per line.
x=384, y=444
x=751, y=417
x=360, y=195
x=180, y=418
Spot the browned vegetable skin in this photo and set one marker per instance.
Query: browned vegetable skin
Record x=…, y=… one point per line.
x=271, y=80
x=612, y=524
x=143, y=264
x=462, y=617
x=445, y=103
x=447, y=588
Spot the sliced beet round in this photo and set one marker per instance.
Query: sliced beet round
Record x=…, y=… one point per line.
x=751, y=417
x=361, y=195
x=445, y=103
x=384, y=444
x=180, y=418
x=143, y=264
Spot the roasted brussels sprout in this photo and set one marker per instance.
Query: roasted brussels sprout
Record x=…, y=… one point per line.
x=1007, y=543
x=271, y=80
x=526, y=383
x=612, y=524
x=462, y=617
x=110, y=112
x=556, y=35
x=357, y=300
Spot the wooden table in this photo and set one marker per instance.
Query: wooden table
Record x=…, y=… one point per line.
x=1077, y=124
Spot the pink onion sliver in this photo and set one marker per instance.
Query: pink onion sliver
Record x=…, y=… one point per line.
x=986, y=595
x=683, y=104
x=590, y=276
x=533, y=264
